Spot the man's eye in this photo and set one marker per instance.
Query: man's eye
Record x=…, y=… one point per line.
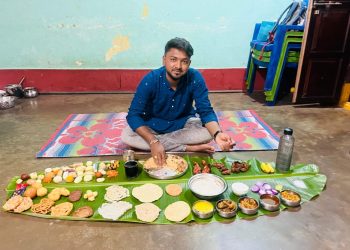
x=185, y=62
x=172, y=59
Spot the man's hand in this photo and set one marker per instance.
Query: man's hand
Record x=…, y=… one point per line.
x=158, y=153
x=224, y=141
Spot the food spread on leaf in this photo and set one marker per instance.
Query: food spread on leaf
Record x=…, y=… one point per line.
x=97, y=191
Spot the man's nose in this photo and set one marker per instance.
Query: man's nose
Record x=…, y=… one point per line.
x=178, y=64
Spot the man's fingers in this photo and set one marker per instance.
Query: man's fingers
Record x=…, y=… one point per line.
x=162, y=159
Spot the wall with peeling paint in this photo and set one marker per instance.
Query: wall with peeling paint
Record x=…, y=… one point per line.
x=116, y=34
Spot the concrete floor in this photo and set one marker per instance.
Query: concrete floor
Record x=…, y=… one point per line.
x=322, y=137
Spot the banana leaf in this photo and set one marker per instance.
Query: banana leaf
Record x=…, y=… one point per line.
x=313, y=182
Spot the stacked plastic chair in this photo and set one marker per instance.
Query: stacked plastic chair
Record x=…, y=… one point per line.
x=283, y=52
x=276, y=54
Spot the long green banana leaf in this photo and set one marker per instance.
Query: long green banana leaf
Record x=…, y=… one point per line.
x=308, y=173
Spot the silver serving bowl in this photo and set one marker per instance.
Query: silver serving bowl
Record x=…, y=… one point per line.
x=290, y=203
x=270, y=202
x=7, y=102
x=200, y=214
x=225, y=214
x=207, y=186
x=30, y=92
x=248, y=211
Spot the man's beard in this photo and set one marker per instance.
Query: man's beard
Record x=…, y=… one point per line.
x=173, y=77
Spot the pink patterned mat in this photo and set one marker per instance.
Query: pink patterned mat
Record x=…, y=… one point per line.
x=99, y=134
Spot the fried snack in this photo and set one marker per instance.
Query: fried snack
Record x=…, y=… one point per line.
x=41, y=192
x=43, y=207
x=75, y=195
x=83, y=212
x=112, y=173
x=56, y=193
x=54, y=196
x=173, y=189
x=64, y=191
x=25, y=205
x=62, y=209
x=13, y=202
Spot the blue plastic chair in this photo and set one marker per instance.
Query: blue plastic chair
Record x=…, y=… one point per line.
x=289, y=36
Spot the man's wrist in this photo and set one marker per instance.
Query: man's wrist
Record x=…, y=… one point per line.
x=216, y=134
x=151, y=142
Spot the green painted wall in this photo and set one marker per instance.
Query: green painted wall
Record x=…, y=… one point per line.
x=91, y=34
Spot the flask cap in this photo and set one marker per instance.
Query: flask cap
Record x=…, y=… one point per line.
x=288, y=131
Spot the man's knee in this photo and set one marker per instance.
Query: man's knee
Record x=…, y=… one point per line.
x=132, y=139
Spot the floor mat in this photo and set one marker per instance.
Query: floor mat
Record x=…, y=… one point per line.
x=99, y=134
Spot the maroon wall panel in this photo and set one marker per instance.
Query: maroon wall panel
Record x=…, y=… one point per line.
x=113, y=80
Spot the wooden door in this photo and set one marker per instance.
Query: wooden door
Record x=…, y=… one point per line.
x=325, y=52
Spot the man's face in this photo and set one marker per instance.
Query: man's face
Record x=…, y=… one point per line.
x=176, y=63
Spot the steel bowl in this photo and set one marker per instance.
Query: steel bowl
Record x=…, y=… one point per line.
x=210, y=182
x=290, y=203
x=30, y=92
x=226, y=214
x=7, y=102
x=249, y=211
x=200, y=214
x=270, y=202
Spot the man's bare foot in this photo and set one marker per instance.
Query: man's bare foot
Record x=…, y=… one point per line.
x=200, y=148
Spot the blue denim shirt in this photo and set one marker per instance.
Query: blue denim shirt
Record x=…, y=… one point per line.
x=159, y=107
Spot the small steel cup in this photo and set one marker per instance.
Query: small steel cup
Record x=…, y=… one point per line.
x=129, y=155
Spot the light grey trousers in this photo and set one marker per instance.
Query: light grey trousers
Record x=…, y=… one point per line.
x=193, y=133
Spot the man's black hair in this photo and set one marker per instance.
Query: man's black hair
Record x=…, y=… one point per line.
x=181, y=44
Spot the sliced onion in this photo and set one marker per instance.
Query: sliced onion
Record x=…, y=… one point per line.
x=261, y=192
x=259, y=184
x=255, y=189
x=274, y=191
x=269, y=191
x=267, y=186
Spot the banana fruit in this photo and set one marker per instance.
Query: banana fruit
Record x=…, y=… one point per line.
x=267, y=168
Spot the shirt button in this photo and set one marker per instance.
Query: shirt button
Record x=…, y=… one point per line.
x=172, y=106
x=173, y=100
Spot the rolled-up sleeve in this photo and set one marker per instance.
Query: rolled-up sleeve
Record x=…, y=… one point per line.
x=202, y=103
x=138, y=108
